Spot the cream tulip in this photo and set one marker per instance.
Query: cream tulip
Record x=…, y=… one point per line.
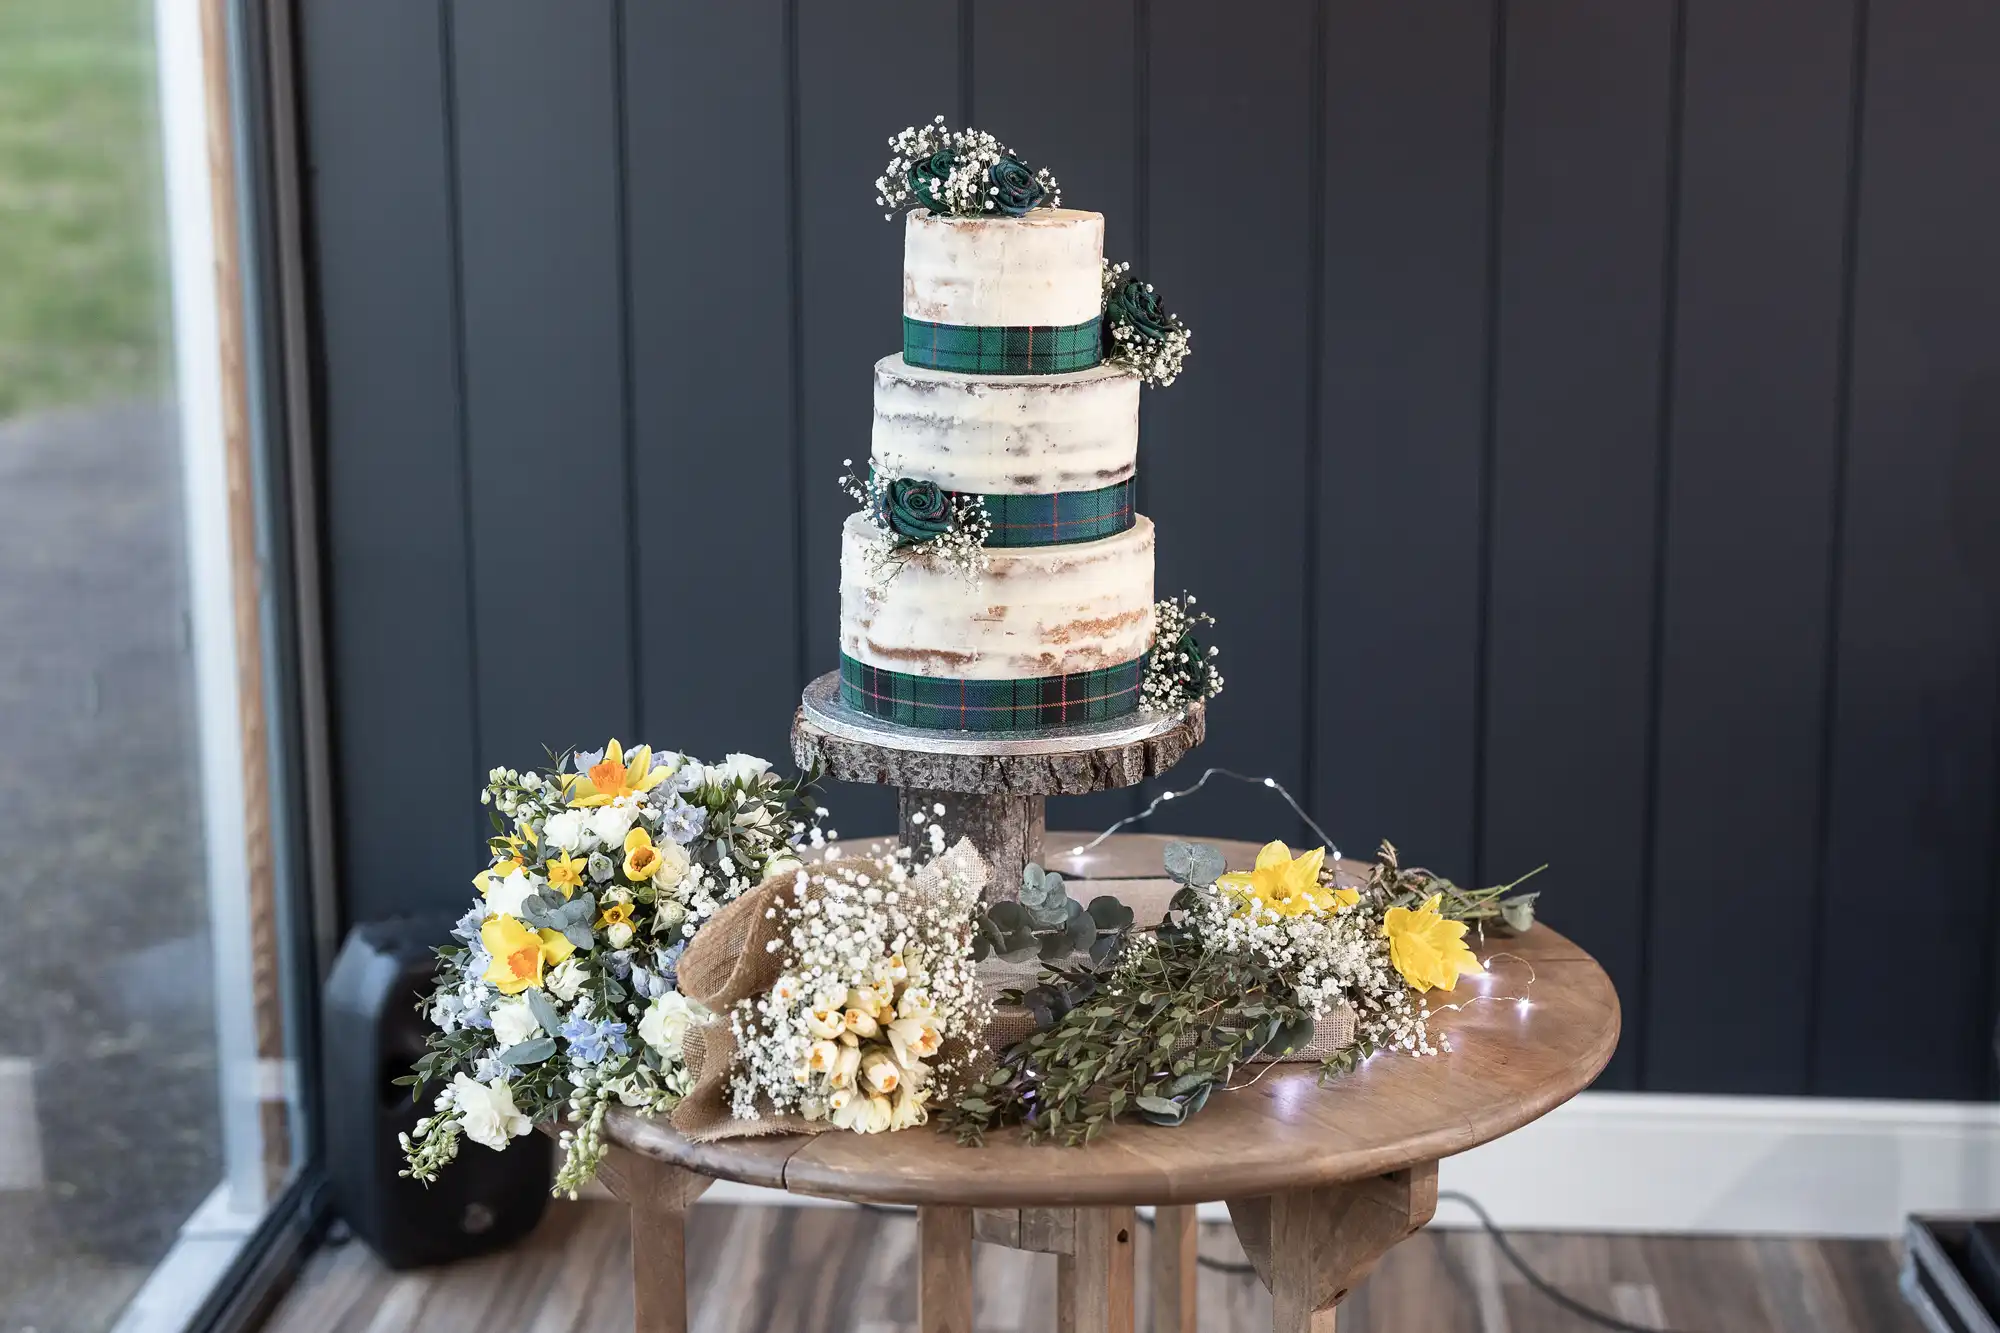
x=880, y=1113
x=846, y=1067
x=862, y=1023
x=880, y=1073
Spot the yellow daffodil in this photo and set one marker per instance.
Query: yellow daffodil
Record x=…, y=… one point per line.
x=1282, y=885
x=616, y=914
x=566, y=873
x=642, y=858
x=519, y=953
x=614, y=776
x=1345, y=898
x=1427, y=949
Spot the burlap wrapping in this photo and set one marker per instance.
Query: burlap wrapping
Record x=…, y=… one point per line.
x=729, y=960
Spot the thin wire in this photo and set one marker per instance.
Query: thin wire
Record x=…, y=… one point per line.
x=1166, y=796
x=1536, y=1280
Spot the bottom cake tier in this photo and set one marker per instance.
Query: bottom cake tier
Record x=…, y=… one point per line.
x=1048, y=635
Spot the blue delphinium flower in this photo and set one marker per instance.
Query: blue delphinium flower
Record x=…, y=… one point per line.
x=467, y=928
x=670, y=964
x=682, y=822
x=593, y=1042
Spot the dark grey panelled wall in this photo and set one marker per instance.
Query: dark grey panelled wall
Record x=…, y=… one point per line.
x=1592, y=447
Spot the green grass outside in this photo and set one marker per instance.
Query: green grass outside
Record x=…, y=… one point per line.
x=83, y=272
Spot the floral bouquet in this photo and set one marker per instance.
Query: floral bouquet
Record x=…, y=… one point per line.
x=560, y=994
x=1247, y=967
x=844, y=996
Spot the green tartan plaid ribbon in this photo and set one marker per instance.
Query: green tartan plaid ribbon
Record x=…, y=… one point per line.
x=949, y=704
x=993, y=350
x=1060, y=518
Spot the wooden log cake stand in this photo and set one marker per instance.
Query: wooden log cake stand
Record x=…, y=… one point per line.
x=993, y=785
x=1320, y=1182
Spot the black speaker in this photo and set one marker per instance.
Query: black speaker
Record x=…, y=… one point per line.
x=483, y=1201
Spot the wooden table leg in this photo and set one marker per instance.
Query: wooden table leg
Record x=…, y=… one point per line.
x=659, y=1194
x=1175, y=1236
x=944, y=1271
x=1094, y=1285
x=1314, y=1246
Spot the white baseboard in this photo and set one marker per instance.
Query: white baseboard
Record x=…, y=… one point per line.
x=1652, y=1162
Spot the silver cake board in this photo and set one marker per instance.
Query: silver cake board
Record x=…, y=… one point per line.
x=993, y=785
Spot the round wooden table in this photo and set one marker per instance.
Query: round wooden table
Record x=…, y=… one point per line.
x=1320, y=1182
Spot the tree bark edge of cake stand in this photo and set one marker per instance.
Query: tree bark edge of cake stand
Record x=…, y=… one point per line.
x=1090, y=767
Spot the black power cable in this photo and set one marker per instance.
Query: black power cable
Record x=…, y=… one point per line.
x=1506, y=1247
x=1536, y=1280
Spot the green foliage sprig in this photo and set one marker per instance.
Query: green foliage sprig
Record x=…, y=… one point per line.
x=1407, y=886
x=1151, y=1025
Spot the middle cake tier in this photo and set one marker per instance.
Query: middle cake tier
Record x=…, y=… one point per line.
x=1005, y=434
x=1036, y=611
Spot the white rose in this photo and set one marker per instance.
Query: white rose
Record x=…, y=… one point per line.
x=564, y=831
x=618, y=934
x=610, y=823
x=508, y=896
x=673, y=865
x=744, y=768
x=566, y=980
x=666, y=1022
x=487, y=1111
x=513, y=1023
x=782, y=865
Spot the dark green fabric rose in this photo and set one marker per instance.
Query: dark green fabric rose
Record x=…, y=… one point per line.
x=1195, y=669
x=926, y=178
x=1137, y=307
x=1015, y=189
x=918, y=510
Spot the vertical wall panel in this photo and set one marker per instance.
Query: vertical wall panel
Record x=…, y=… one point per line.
x=401, y=658
x=1089, y=137
x=1906, y=1001
x=1403, y=403
x=1752, y=449
x=545, y=394
x=866, y=69
x=1582, y=238
x=711, y=357
x=1226, y=444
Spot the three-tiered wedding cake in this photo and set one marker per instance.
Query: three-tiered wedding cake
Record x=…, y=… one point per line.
x=1001, y=402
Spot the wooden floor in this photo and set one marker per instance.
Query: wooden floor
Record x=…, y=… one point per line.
x=841, y=1270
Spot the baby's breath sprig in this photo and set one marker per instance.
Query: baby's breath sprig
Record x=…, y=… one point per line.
x=1179, y=671
x=921, y=520
x=960, y=173
x=1139, y=333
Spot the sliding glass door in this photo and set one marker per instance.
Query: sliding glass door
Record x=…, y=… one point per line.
x=150, y=918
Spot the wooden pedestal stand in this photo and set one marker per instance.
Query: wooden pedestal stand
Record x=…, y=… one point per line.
x=993, y=786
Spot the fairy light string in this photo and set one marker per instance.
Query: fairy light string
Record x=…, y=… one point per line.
x=1165, y=796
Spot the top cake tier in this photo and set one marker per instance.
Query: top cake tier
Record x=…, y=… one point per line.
x=1042, y=271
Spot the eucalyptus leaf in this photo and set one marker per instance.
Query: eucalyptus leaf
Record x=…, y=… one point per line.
x=1081, y=931
x=1006, y=917
x=1102, y=948
x=1021, y=955
x=1109, y=913
x=530, y=1052
x=982, y=947
x=1054, y=946
x=544, y=1012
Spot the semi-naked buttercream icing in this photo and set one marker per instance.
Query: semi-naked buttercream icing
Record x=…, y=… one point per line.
x=1043, y=270
x=1005, y=434
x=1036, y=611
